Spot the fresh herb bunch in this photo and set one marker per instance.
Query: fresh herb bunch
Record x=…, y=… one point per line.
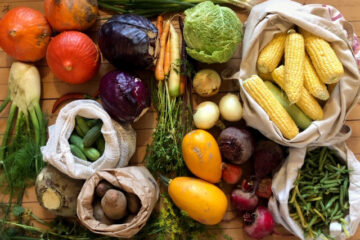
x=320, y=193
x=164, y=155
x=149, y=8
x=170, y=223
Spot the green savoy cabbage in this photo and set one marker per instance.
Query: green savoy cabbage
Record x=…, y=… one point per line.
x=212, y=32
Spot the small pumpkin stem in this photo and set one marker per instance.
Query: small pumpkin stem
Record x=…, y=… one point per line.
x=12, y=33
x=165, y=179
x=68, y=66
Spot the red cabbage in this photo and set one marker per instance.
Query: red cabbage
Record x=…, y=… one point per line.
x=124, y=96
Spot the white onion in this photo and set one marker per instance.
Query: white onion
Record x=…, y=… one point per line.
x=230, y=107
x=206, y=115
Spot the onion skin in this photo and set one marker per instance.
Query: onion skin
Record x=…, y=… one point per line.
x=244, y=201
x=124, y=96
x=263, y=224
x=230, y=107
x=206, y=115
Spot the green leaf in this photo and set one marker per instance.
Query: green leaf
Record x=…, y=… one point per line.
x=18, y=210
x=227, y=237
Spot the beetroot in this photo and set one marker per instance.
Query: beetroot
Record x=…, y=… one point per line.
x=231, y=174
x=244, y=201
x=259, y=224
x=236, y=145
x=267, y=156
x=263, y=189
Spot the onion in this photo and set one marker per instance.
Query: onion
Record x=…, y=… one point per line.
x=230, y=107
x=206, y=115
x=206, y=82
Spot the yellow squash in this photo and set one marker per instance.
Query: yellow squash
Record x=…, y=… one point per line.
x=202, y=201
x=202, y=155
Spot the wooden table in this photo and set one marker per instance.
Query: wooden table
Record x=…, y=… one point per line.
x=52, y=88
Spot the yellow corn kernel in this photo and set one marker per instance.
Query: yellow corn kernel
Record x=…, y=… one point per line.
x=263, y=96
x=312, y=82
x=323, y=57
x=265, y=76
x=294, y=65
x=271, y=54
x=306, y=103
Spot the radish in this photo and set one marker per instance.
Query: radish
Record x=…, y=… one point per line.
x=259, y=224
x=231, y=174
x=244, y=201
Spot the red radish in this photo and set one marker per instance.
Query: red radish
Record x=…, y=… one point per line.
x=244, y=201
x=73, y=57
x=264, y=188
x=259, y=224
x=231, y=174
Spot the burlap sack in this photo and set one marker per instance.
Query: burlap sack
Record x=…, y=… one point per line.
x=137, y=180
x=283, y=182
x=275, y=16
x=120, y=141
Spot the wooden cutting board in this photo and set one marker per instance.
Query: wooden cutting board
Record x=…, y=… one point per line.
x=52, y=88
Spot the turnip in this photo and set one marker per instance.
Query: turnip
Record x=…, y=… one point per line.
x=206, y=82
x=259, y=224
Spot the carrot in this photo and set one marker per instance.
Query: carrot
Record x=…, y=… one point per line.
x=174, y=76
x=159, y=24
x=182, y=84
x=167, y=57
x=159, y=69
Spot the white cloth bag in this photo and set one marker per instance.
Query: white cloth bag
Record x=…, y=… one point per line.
x=275, y=16
x=120, y=141
x=284, y=179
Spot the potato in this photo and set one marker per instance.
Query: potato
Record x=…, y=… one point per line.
x=102, y=187
x=114, y=204
x=133, y=203
x=57, y=192
x=100, y=215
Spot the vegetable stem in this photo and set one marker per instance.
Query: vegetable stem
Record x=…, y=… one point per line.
x=42, y=125
x=4, y=103
x=7, y=131
x=35, y=123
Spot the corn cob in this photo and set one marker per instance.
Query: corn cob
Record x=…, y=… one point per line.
x=306, y=103
x=312, y=82
x=323, y=57
x=265, y=76
x=294, y=65
x=300, y=118
x=263, y=96
x=271, y=54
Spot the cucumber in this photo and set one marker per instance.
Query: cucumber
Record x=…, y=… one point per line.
x=79, y=131
x=77, y=141
x=80, y=121
x=77, y=152
x=92, y=135
x=100, y=144
x=92, y=122
x=92, y=154
x=299, y=117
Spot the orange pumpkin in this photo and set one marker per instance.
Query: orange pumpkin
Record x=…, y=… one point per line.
x=202, y=155
x=73, y=57
x=71, y=14
x=24, y=34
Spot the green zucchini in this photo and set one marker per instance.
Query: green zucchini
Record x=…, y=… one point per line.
x=79, y=131
x=81, y=123
x=92, y=122
x=92, y=135
x=76, y=151
x=299, y=117
x=92, y=154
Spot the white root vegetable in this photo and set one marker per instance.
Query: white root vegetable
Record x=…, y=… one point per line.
x=206, y=115
x=207, y=82
x=230, y=107
x=114, y=204
x=57, y=192
x=133, y=203
x=100, y=215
